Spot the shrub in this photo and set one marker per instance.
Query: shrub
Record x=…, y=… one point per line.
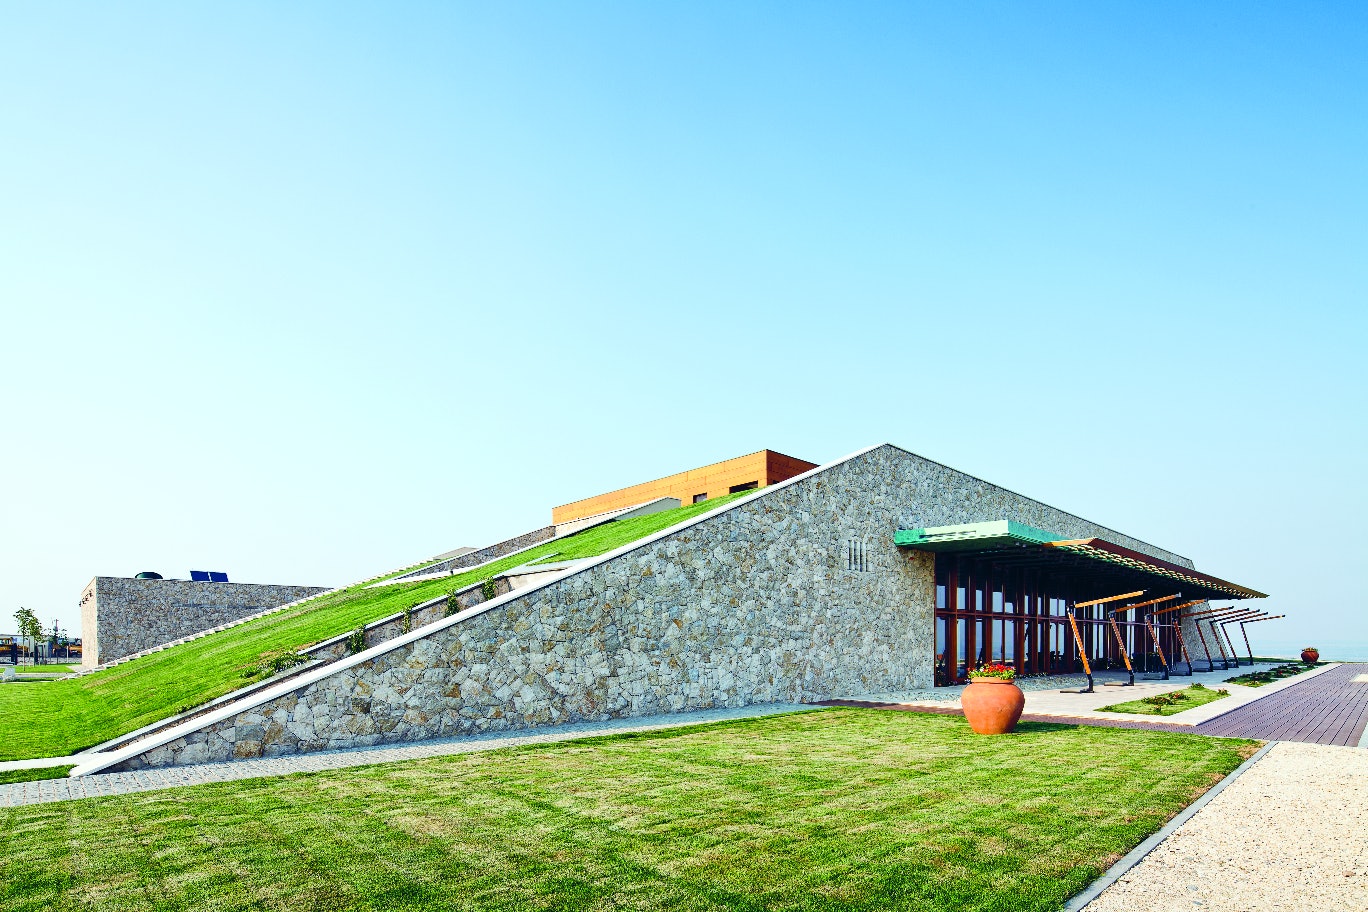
x=489, y=589
x=408, y=619
x=356, y=640
x=452, y=606
x=274, y=662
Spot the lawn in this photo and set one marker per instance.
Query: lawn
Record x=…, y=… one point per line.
x=1172, y=703
x=60, y=717
x=841, y=809
x=44, y=669
x=32, y=775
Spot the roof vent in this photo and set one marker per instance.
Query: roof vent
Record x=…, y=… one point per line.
x=148, y=574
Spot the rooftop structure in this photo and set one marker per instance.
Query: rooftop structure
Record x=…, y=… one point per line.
x=743, y=473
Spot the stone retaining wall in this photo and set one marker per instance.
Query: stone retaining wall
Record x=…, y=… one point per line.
x=121, y=616
x=757, y=602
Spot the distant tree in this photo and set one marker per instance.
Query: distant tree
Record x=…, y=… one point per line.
x=29, y=627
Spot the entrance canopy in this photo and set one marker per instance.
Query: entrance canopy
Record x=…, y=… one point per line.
x=1014, y=545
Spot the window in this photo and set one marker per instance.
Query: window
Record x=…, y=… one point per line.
x=748, y=486
x=699, y=498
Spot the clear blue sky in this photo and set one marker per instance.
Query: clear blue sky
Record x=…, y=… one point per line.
x=307, y=291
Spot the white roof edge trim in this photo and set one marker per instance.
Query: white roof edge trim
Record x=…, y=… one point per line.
x=98, y=762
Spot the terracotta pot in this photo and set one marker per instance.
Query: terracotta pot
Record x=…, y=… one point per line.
x=1310, y=656
x=992, y=705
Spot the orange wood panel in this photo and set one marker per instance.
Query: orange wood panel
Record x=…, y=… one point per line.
x=764, y=467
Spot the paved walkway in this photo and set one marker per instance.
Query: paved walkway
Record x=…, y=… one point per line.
x=1287, y=834
x=47, y=790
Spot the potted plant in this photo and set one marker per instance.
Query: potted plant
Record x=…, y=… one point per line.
x=1310, y=655
x=992, y=702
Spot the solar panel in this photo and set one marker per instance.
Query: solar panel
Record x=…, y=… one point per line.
x=216, y=577
x=199, y=576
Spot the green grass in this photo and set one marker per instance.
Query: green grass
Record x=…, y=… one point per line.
x=62, y=717
x=1268, y=676
x=32, y=775
x=1191, y=697
x=847, y=810
x=44, y=669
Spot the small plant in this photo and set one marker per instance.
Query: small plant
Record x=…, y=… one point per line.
x=993, y=670
x=1223, y=692
x=453, y=604
x=489, y=589
x=356, y=640
x=408, y=619
x=274, y=662
x=1199, y=686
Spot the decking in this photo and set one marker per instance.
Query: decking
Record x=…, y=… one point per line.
x=1331, y=708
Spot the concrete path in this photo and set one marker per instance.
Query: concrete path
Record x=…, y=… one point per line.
x=1290, y=833
x=47, y=790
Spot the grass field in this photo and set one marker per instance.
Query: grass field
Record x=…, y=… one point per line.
x=1185, y=699
x=43, y=669
x=60, y=717
x=833, y=810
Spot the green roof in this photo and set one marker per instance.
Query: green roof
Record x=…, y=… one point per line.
x=972, y=536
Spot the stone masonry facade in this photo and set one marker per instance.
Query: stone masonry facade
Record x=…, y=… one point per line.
x=121, y=616
x=756, y=603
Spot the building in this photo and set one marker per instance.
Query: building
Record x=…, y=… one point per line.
x=744, y=473
x=879, y=573
x=121, y=616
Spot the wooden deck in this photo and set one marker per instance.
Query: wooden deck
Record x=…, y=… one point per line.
x=1330, y=708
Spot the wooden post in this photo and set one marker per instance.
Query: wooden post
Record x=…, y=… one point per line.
x=1178, y=632
x=1082, y=652
x=1158, y=647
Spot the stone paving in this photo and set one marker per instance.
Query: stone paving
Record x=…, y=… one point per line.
x=48, y=790
x=1287, y=834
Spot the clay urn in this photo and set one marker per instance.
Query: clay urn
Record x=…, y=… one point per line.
x=992, y=704
x=1310, y=655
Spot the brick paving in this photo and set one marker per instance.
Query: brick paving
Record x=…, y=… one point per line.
x=47, y=790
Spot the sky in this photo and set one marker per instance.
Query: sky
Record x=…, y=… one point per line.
x=305, y=292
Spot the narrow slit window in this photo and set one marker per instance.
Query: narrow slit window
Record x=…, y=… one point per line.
x=699, y=498
x=748, y=486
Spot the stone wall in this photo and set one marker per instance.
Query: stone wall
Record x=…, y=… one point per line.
x=121, y=616
x=757, y=602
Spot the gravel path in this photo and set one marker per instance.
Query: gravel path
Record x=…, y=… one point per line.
x=1290, y=833
x=43, y=791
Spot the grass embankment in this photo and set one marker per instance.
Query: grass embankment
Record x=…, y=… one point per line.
x=834, y=810
x=60, y=717
x=1171, y=703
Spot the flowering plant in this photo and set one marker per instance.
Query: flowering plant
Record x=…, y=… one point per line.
x=993, y=670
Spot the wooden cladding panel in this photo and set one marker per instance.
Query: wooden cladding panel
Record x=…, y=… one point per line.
x=765, y=467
